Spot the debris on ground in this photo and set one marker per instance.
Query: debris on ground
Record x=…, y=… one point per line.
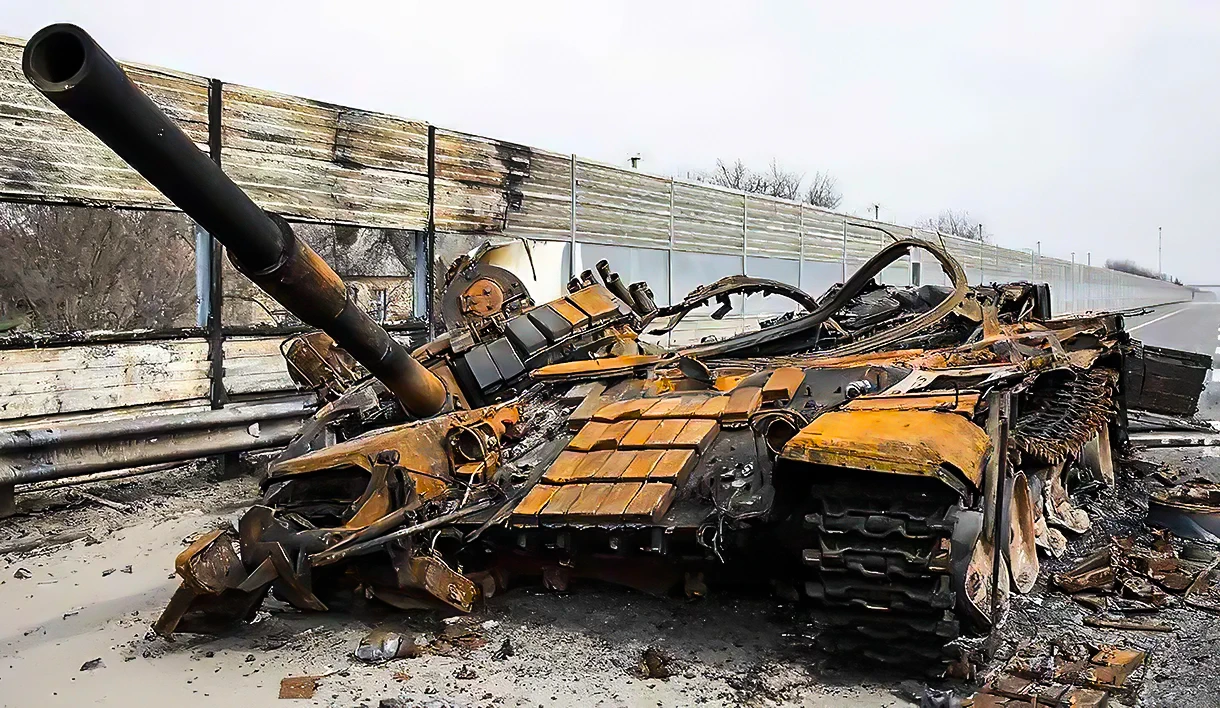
x=460, y=632
x=299, y=686
x=656, y=663
x=93, y=664
x=1132, y=625
x=382, y=645
x=1191, y=510
x=1063, y=675
x=505, y=650
x=927, y=697
x=43, y=542
x=1132, y=575
x=117, y=506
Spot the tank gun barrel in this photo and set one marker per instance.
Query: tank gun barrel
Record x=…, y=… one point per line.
x=67, y=66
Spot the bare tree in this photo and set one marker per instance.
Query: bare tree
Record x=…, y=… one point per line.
x=955, y=223
x=780, y=183
x=76, y=268
x=774, y=181
x=734, y=176
x=823, y=191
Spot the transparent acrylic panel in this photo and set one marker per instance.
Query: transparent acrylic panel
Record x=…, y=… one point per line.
x=378, y=266
x=69, y=268
x=781, y=269
x=818, y=276
x=694, y=269
x=632, y=265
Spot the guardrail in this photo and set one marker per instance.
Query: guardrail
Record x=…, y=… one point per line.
x=123, y=439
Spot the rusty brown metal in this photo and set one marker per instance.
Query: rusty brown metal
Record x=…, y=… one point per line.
x=1072, y=677
x=916, y=442
x=1190, y=510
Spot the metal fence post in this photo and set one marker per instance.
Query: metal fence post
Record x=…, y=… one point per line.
x=425, y=246
x=669, y=257
x=203, y=276
x=745, y=270
x=1072, y=278
x=217, y=393
x=572, y=223
x=800, y=248
x=843, y=258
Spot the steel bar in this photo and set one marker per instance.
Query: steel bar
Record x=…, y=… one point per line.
x=991, y=475
x=217, y=392
x=96, y=477
x=334, y=556
x=47, y=435
x=1000, y=540
x=572, y=218
x=1177, y=439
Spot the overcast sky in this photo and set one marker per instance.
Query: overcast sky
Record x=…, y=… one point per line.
x=1083, y=125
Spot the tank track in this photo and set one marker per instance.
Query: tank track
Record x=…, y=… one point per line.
x=875, y=566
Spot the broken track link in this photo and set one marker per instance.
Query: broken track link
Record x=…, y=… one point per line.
x=1064, y=416
x=875, y=565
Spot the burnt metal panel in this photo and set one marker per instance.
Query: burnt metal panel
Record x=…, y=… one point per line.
x=318, y=161
x=482, y=368
x=506, y=359
x=1167, y=381
x=552, y=324
x=526, y=335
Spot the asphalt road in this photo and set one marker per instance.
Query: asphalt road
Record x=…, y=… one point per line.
x=1190, y=326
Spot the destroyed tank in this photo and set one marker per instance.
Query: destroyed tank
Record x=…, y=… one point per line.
x=886, y=457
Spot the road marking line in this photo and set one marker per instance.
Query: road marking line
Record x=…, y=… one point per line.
x=1162, y=317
